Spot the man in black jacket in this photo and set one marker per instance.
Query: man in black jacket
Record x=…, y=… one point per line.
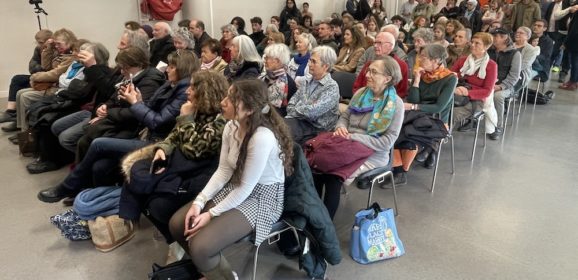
x=197, y=27
x=543, y=61
x=162, y=44
x=257, y=25
x=509, y=62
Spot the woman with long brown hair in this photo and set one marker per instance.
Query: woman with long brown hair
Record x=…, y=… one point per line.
x=246, y=193
x=351, y=51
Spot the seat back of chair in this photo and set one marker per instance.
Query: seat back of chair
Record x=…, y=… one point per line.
x=345, y=82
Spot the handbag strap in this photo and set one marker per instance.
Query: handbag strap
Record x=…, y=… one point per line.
x=376, y=209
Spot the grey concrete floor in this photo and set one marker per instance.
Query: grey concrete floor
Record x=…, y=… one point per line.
x=509, y=215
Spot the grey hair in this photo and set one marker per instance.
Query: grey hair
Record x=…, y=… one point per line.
x=468, y=34
x=231, y=28
x=101, y=54
x=526, y=30
x=184, y=34
x=166, y=27
x=326, y=54
x=247, y=50
x=273, y=28
x=139, y=40
x=393, y=27
x=311, y=42
x=391, y=68
x=425, y=33
x=279, y=51
x=435, y=51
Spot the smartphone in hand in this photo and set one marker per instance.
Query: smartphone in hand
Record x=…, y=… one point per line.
x=157, y=165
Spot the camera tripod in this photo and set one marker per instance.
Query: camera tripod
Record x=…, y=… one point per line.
x=38, y=10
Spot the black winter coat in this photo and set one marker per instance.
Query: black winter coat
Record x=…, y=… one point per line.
x=305, y=210
x=160, y=49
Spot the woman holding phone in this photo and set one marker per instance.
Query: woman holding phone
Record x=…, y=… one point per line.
x=246, y=193
x=154, y=120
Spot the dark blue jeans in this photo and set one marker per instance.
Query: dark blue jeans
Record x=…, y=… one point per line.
x=100, y=165
x=17, y=83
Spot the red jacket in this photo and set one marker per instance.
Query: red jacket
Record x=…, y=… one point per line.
x=401, y=87
x=481, y=89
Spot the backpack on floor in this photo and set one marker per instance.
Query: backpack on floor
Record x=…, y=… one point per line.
x=542, y=99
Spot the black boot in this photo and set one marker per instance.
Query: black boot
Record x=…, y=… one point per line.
x=422, y=156
x=431, y=160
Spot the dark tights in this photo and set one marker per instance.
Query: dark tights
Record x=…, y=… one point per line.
x=332, y=186
x=206, y=246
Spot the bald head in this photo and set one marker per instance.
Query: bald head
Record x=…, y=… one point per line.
x=161, y=29
x=384, y=44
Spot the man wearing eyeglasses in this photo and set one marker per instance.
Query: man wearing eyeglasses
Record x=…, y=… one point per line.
x=382, y=46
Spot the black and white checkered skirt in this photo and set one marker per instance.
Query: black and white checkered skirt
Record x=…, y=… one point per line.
x=262, y=208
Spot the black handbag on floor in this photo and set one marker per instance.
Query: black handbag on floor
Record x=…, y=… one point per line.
x=180, y=270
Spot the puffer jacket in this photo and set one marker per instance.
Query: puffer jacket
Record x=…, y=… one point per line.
x=305, y=210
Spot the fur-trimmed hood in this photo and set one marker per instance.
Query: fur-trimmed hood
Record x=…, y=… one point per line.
x=146, y=152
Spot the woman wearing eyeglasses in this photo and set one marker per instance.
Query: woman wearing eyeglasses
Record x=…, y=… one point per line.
x=373, y=118
x=431, y=92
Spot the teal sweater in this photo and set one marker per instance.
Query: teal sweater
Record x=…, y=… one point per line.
x=435, y=97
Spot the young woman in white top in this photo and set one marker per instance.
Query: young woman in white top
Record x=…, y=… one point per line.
x=246, y=193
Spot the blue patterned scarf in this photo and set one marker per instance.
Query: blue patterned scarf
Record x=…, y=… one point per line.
x=74, y=69
x=382, y=109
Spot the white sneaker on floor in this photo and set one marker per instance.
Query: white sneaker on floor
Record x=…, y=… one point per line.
x=235, y=274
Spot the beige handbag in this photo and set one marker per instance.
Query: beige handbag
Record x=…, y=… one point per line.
x=110, y=232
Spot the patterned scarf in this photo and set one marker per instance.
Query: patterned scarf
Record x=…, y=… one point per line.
x=302, y=61
x=382, y=109
x=438, y=74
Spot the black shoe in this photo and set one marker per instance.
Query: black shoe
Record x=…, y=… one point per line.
x=55, y=194
x=7, y=117
x=13, y=139
x=422, y=156
x=10, y=127
x=562, y=77
x=497, y=134
x=38, y=167
x=431, y=161
x=469, y=126
x=400, y=178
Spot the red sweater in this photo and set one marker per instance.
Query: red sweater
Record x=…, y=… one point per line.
x=481, y=89
x=401, y=87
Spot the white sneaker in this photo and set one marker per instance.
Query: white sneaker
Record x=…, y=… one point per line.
x=235, y=275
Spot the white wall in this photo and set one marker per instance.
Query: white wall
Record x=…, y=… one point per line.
x=102, y=21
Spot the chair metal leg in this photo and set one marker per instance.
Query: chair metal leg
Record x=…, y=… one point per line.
x=433, y=181
x=380, y=179
x=255, y=259
x=505, y=120
x=537, y=92
x=476, y=138
x=453, y=152
x=394, y=194
x=485, y=138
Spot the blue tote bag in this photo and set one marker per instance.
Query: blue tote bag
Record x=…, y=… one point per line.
x=374, y=236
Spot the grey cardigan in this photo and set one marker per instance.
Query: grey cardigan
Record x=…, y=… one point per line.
x=356, y=124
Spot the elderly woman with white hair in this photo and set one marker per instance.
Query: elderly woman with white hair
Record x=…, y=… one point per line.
x=315, y=106
x=183, y=39
x=280, y=85
x=373, y=118
x=245, y=60
x=229, y=32
x=298, y=68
